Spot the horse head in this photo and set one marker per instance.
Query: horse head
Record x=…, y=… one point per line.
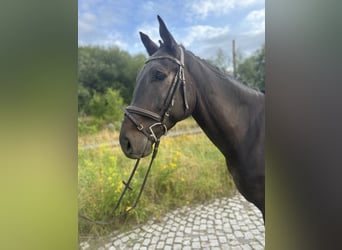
x=163, y=96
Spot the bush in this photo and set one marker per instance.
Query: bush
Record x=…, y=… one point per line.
x=97, y=105
x=113, y=102
x=107, y=106
x=89, y=125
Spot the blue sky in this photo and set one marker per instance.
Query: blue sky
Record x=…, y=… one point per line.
x=202, y=26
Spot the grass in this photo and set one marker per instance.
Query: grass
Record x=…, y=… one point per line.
x=188, y=169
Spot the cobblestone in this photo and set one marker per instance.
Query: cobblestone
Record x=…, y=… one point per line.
x=228, y=223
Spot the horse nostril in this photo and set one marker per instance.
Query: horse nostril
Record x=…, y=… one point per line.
x=127, y=145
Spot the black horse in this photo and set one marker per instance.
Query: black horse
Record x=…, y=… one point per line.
x=174, y=84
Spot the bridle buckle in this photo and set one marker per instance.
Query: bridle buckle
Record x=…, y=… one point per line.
x=140, y=127
x=153, y=135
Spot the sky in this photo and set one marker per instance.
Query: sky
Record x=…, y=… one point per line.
x=202, y=26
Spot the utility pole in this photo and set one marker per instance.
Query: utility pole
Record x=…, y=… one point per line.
x=234, y=59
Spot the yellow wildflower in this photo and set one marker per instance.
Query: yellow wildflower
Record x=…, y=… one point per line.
x=112, y=158
x=173, y=165
x=119, y=187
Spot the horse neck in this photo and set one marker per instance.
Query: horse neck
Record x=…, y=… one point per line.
x=225, y=109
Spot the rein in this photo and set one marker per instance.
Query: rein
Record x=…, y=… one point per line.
x=150, y=134
x=127, y=186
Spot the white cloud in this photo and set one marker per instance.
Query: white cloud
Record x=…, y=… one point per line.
x=86, y=22
x=205, y=40
x=86, y=5
x=152, y=30
x=255, y=22
x=109, y=42
x=111, y=23
x=110, y=39
x=203, y=8
x=89, y=17
x=202, y=39
x=84, y=27
x=149, y=7
x=201, y=33
x=249, y=43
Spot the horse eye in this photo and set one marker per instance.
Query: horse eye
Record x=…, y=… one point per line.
x=160, y=75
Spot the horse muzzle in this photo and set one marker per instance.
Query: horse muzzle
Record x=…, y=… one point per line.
x=134, y=144
x=136, y=139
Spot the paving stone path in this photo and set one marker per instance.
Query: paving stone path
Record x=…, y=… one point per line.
x=228, y=223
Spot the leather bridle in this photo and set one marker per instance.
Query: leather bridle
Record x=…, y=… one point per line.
x=160, y=120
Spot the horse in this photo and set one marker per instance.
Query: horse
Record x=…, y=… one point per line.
x=175, y=84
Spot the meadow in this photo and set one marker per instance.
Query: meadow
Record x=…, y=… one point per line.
x=188, y=170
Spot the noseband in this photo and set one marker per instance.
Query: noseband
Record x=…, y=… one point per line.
x=179, y=80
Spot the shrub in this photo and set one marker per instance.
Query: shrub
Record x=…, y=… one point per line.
x=107, y=106
x=89, y=125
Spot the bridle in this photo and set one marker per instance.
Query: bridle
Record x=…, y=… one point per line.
x=160, y=120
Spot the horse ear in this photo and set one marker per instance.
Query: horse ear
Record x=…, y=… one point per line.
x=165, y=34
x=150, y=46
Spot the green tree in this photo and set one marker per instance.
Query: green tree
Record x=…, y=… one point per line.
x=97, y=105
x=252, y=69
x=107, y=106
x=246, y=70
x=113, y=103
x=83, y=100
x=221, y=61
x=102, y=68
x=260, y=68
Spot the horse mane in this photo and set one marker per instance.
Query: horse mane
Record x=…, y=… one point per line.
x=225, y=75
